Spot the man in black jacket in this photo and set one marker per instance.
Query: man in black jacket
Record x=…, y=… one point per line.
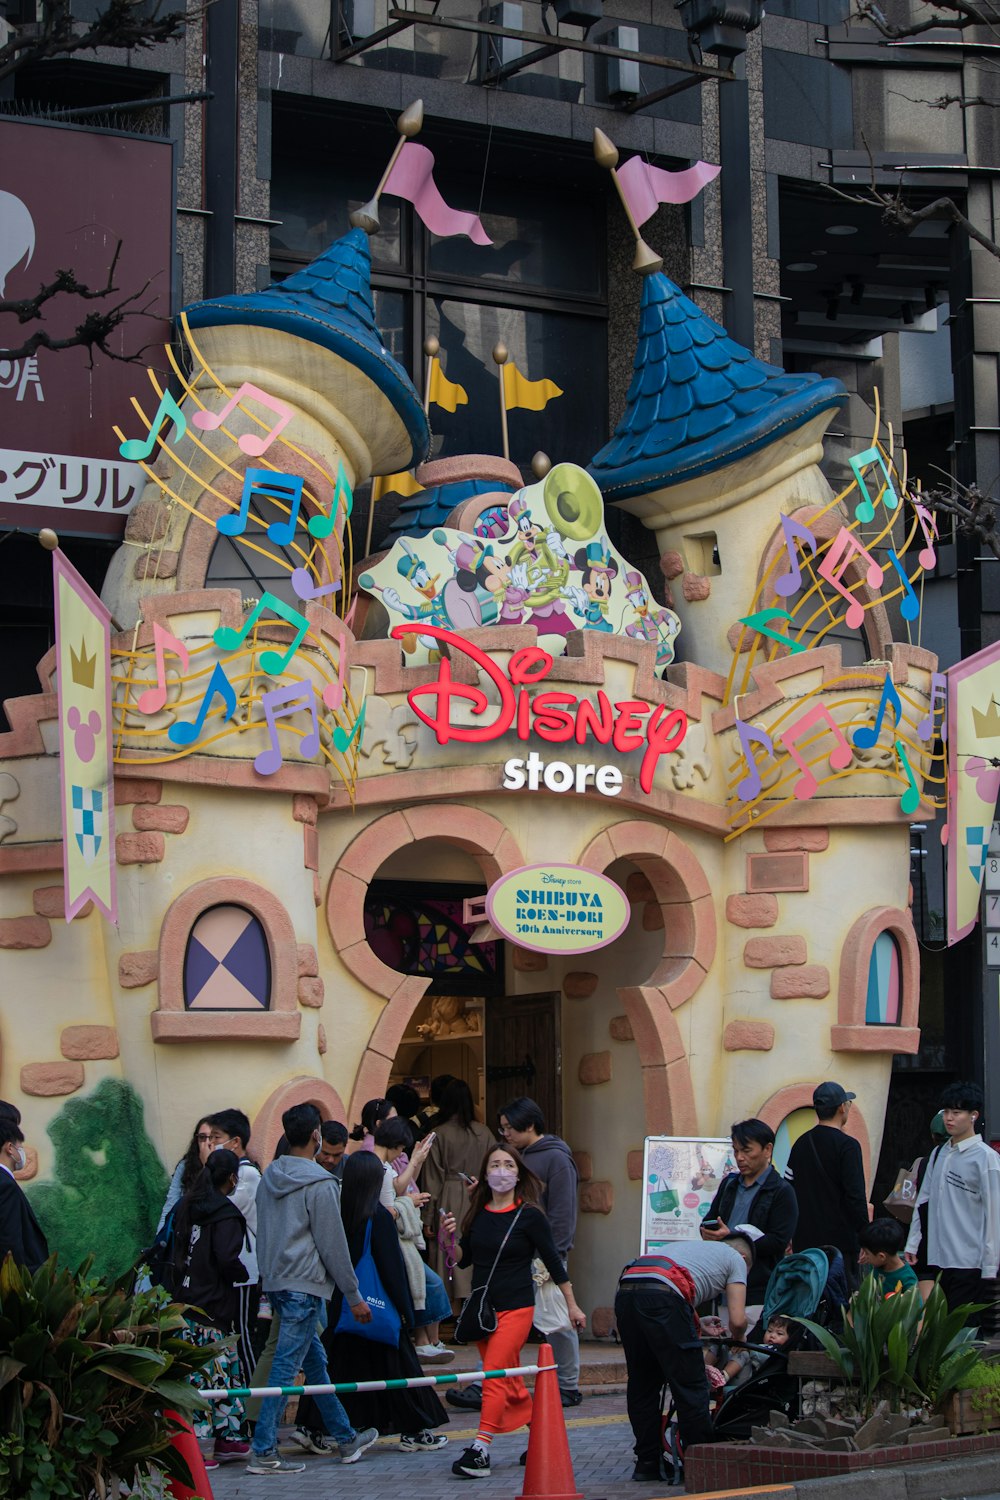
x=826, y=1170
x=20, y=1231
x=754, y=1201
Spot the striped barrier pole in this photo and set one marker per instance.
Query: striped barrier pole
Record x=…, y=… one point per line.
x=358, y=1387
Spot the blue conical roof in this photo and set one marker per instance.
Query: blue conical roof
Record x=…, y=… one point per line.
x=330, y=303
x=698, y=400
x=419, y=514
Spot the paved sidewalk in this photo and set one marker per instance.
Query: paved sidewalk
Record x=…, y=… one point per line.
x=600, y=1442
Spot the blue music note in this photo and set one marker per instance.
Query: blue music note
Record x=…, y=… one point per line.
x=866, y=738
x=275, y=662
x=136, y=449
x=218, y=684
x=865, y=509
x=286, y=488
x=909, y=608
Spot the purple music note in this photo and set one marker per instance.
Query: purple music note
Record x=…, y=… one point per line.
x=789, y=583
x=750, y=734
x=280, y=703
x=939, y=689
x=304, y=587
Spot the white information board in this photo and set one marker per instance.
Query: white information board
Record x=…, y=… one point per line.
x=680, y=1176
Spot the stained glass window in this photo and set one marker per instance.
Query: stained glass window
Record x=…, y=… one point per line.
x=227, y=965
x=884, y=982
x=418, y=929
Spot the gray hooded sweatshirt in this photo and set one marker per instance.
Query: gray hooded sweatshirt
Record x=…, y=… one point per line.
x=551, y=1160
x=301, y=1246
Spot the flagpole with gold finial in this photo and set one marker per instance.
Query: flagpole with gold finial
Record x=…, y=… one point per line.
x=431, y=350
x=606, y=155
x=500, y=359
x=408, y=124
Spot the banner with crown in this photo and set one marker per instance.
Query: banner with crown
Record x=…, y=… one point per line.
x=973, y=728
x=83, y=676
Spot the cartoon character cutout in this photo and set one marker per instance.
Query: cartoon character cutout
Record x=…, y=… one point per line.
x=477, y=566
x=592, y=596
x=651, y=623
x=546, y=568
x=432, y=612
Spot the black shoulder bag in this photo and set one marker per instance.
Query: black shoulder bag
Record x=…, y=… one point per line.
x=478, y=1318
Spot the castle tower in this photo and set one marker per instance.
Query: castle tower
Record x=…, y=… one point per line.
x=713, y=444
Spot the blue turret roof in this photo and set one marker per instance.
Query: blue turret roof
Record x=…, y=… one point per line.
x=330, y=303
x=698, y=400
x=419, y=514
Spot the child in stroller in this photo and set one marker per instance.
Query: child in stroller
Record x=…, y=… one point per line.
x=811, y=1284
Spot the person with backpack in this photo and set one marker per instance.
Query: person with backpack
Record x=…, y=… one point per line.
x=209, y=1236
x=826, y=1169
x=502, y=1232
x=230, y=1129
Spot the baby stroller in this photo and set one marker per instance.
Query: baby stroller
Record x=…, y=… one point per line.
x=812, y=1284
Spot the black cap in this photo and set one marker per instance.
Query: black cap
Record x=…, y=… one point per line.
x=829, y=1096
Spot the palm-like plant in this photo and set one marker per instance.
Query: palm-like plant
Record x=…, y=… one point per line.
x=895, y=1346
x=88, y=1373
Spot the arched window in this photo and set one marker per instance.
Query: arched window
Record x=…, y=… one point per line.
x=882, y=1001
x=227, y=965
x=788, y=1132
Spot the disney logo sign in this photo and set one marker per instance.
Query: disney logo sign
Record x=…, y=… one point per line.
x=553, y=715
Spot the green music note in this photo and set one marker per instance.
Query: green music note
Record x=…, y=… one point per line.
x=275, y=662
x=759, y=621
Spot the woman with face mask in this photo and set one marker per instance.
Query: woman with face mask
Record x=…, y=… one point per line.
x=20, y=1231
x=506, y=1199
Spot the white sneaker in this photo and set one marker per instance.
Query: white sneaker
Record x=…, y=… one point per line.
x=435, y=1354
x=422, y=1442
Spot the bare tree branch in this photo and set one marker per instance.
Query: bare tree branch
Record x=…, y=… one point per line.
x=974, y=513
x=955, y=15
x=122, y=23
x=92, y=333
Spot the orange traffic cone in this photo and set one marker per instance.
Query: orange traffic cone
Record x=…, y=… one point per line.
x=187, y=1446
x=548, y=1473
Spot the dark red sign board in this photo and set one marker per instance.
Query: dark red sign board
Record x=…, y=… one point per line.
x=67, y=196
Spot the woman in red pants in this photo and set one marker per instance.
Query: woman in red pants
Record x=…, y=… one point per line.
x=502, y=1232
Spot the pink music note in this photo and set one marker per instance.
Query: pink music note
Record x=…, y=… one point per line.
x=208, y=421
x=280, y=703
x=154, y=698
x=136, y=449
x=909, y=608
x=333, y=693
x=839, y=552
x=275, y=662
x=839, y=757
x=789, y=583
x=910, y=800
x=750, y=734
x=865, y=509
x=866, y=738
x=927, y=557
x=218, y=683
x=304, y=587
x=939, y=689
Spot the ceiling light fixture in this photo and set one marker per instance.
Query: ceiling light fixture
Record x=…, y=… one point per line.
x=842, y=229
x=801, y=266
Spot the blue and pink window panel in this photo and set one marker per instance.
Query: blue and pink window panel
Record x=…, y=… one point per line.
x=885, y=979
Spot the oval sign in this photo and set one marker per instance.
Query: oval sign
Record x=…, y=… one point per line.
x=557, y=908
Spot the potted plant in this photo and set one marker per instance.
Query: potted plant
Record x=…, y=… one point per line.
x=88, y=1372
x=975, y=1405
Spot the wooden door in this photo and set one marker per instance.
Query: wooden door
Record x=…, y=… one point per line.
x=523, y=1055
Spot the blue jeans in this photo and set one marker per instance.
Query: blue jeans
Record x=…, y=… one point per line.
x=299, y=1348
x=437, y=1303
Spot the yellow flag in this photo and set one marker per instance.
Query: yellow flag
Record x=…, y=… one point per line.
x=533, y=395
x=442, y=391
x=398, y=484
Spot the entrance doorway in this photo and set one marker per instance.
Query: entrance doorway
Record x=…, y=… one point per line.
x=523, y=1055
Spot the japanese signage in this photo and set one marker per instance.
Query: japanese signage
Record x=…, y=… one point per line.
x=556, y=716
x=557, y=908
x=83, y=676
x=68, y=203
x=679, y=1180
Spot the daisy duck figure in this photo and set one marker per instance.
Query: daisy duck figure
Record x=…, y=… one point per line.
x=651, y=623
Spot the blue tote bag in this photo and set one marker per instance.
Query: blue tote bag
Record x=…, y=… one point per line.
x=385, y=1322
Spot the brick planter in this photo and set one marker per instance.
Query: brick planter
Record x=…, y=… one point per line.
x=727, y=1466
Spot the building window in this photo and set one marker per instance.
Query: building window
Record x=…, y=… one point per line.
x=787, y=1133
x=419, y=930
x=227, y=965
x=265, y=568
x=882, y=1000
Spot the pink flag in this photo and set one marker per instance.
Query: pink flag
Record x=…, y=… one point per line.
x=412, y=177
x=646, y=187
